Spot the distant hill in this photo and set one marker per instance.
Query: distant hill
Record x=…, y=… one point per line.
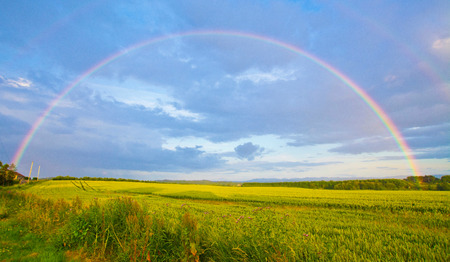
x=278, y=180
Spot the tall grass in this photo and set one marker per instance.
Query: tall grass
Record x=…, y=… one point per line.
x=121, y=229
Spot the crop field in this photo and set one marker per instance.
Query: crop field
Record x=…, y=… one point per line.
x=132, y=221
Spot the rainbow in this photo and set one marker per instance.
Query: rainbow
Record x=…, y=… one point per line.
x=387, y=122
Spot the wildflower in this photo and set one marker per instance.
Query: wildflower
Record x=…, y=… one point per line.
x=306, y=235
x=239, y=218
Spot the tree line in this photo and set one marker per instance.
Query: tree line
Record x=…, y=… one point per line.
x=197, y=182
x=410, y=183
x=99, y=179
x=8, y=176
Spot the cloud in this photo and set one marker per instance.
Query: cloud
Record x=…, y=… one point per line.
x=428, y=136
x=292, y=164
x=20, y=83
x=86, y=135
x=20, y=98
x=248, y=151
x=367, y=145
x=221, y=88
x=134, y=151
x=277, y=167
x=429, y=142
x=427, y=103
x=441, y=152
x=421, y=140
x=13, y=97
x=143, y=94
x=443, y=43
x=257, y=76
x=441, y=47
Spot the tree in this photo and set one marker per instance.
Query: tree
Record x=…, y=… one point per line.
x=430, y=179
x=445, y=179
x=7, y=174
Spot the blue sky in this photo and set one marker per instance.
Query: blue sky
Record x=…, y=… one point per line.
x=222, y=106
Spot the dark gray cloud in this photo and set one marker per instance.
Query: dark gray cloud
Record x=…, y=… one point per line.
x=428, y=136
x=109, y=153
x=248, y=151
x=434, y=153
x=367, y=145
x=428, y=142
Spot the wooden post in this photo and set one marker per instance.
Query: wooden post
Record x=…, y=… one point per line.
x=29, y=176
x=39, y=170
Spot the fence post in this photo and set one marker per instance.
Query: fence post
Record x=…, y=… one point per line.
x=29, y=176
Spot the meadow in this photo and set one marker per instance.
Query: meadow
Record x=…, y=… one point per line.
x=133, y=221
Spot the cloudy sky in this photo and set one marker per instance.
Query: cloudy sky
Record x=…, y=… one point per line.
x=224, y=90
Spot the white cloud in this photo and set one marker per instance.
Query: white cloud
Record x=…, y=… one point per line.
x=166, y=108
x=257, y=76
x=443, y=43
x=442, y=48
x=137, y=93
x=20, y=82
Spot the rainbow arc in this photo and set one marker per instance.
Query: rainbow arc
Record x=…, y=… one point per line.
x=360, y=92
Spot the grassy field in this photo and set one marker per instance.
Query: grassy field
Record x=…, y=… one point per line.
x=132, y=221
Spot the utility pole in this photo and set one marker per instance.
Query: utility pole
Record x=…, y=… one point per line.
x=29, y=176
x=39, y=170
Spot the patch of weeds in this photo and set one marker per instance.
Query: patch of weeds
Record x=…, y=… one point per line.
x=17, y=244
x=3, y=212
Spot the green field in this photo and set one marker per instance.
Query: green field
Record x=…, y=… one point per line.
x=123, y=221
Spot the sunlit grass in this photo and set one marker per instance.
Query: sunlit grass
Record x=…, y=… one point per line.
x=365, y=199
x=134, y=221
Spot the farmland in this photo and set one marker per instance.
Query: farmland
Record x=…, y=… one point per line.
x=135, y=221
